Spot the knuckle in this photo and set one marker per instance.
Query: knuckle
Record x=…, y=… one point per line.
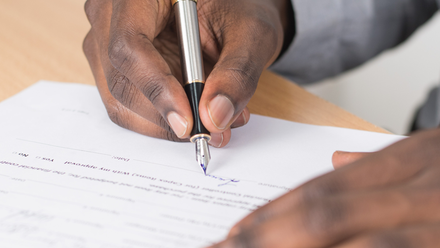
x=119, y=52
x=153, y=88
x=118, y=85
x=125, y=92
x=260, y=25
x=323, y=219
x=263, y=32
x=90, y=9
x=245, y=75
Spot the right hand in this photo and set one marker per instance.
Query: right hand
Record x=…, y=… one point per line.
x=133, y=52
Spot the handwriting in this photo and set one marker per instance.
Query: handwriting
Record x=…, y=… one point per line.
x=121, y=159
x=45, y=159
x=226, y=181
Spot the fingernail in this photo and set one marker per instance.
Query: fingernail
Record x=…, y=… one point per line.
x=216, y=140
x=177, y=123
x=240, y=121
x=220, y=111
x=245, y=120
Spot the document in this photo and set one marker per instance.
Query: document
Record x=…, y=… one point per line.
x=70, y=178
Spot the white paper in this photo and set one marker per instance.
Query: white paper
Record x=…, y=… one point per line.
x=69, y=177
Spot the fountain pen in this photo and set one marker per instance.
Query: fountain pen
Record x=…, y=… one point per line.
x=188, y=33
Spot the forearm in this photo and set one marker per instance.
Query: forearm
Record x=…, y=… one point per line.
x=336, y=35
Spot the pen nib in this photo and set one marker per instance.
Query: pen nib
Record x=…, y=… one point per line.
x=202, y=153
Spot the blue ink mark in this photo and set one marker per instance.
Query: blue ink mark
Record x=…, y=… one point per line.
x=226, y=181
x=204, y=168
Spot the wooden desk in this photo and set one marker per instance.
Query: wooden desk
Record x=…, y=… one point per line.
x=42, y=39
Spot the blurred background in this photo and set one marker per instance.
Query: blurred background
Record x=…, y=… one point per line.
x=388, y=90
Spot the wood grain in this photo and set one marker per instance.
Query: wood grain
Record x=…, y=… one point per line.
x=42, y=39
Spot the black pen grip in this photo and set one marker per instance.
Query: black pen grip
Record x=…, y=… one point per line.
x=194, y=93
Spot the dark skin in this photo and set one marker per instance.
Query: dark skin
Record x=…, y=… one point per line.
x=387, y=199
x=133, y=52
x=384, y=199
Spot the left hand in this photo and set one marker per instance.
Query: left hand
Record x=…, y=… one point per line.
x=389, y=198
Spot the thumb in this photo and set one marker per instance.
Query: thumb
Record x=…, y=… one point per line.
x=234, y=79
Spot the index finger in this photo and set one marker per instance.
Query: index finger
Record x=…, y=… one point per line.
x=134, y=27
x=117, y=112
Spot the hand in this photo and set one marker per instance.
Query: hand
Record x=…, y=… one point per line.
x=389, y=198
x=134, y=56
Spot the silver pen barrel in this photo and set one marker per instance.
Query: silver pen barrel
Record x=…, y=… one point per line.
x=187, y=25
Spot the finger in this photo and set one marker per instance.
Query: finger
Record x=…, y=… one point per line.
x=220, y=140
x=391, y=166
x=132, y=53
x=99, y=13
x=425, y=235
x=135, y=71
x=330, y=221
x=118, y=113
x=247, y=48
x=242, y=119
x=341, y=158
x=132, y=98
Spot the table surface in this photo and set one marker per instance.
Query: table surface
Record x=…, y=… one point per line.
x=42, y=39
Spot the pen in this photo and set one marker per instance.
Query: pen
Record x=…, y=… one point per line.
x=187, y=25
